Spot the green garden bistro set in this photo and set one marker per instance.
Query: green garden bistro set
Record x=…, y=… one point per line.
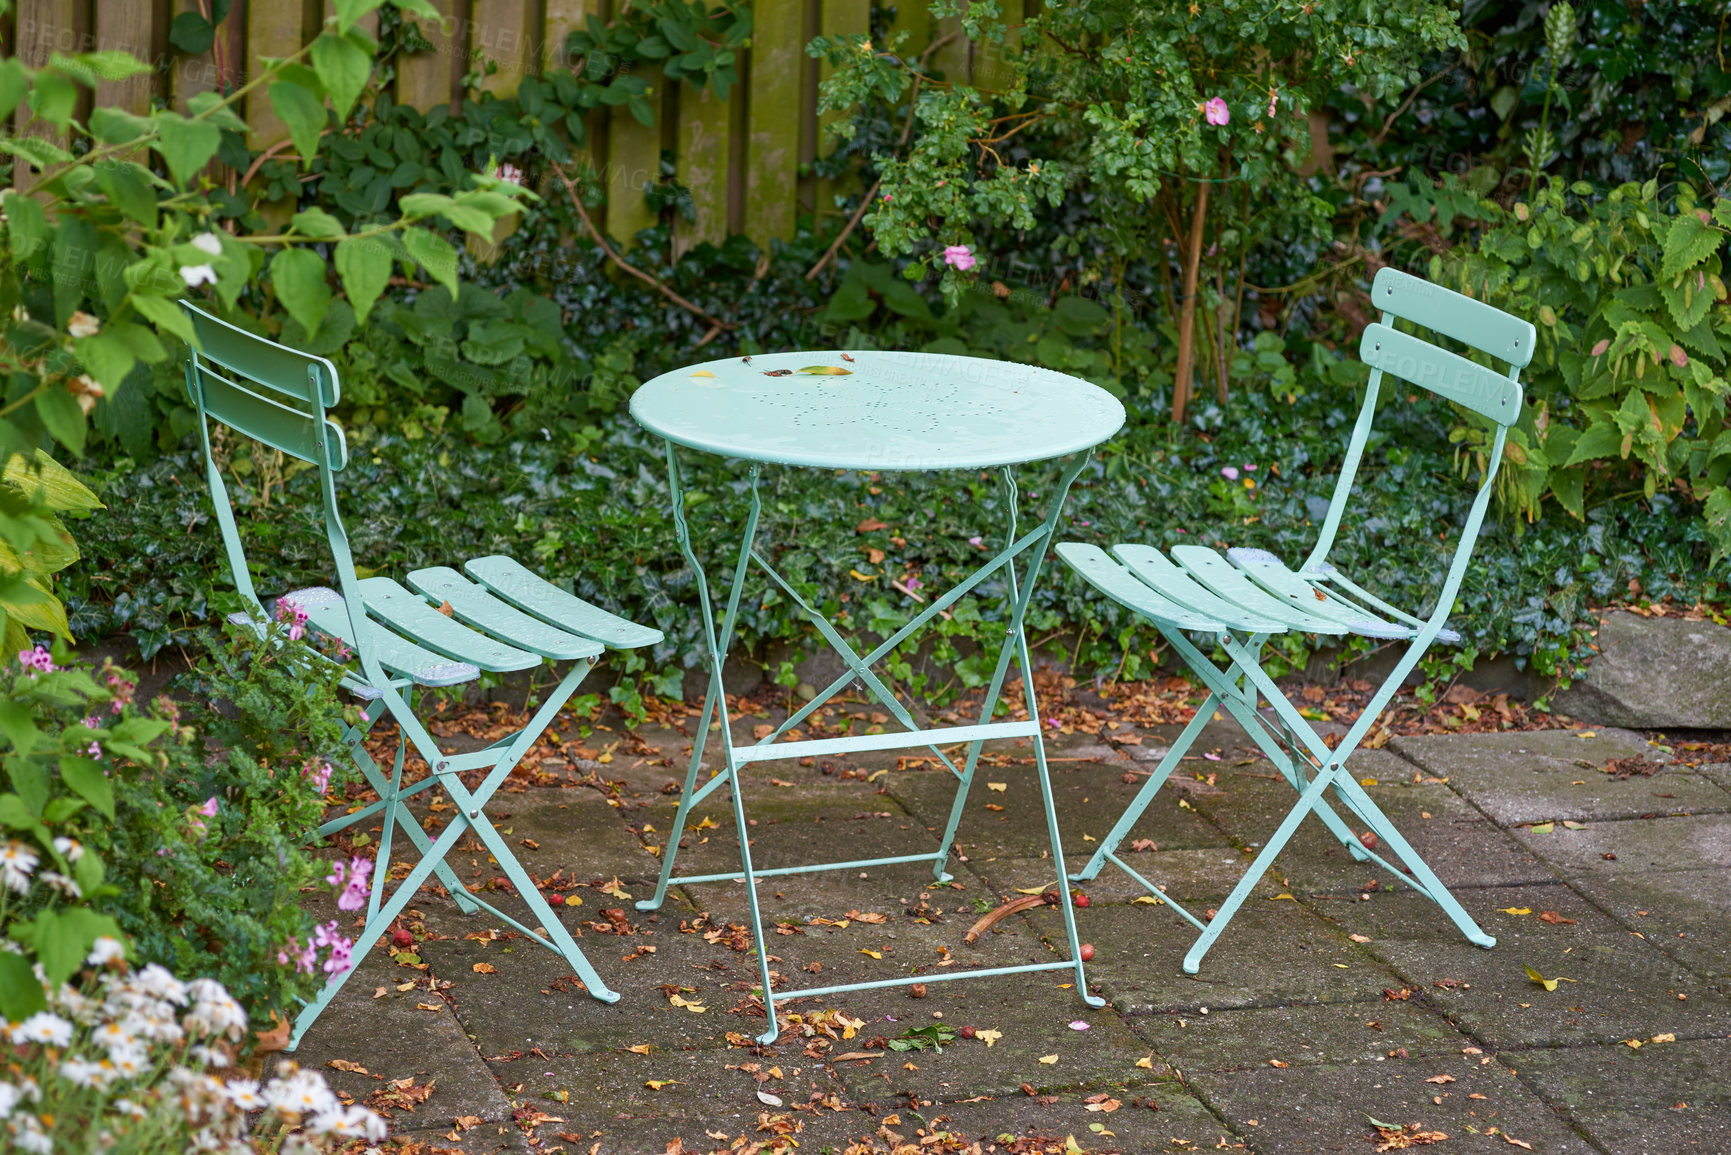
x=882, y=413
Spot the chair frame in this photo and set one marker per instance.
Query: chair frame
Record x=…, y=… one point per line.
x=1303, y=759
x=292, y=418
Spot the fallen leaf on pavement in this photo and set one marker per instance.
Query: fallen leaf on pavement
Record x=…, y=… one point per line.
x=352, y=1067
x=657, y=1084
x=873, y=953
x=1048, y=1060
x=485, y=969
x=1555, y=919
x=767, y=1099
x=1440, y=1079
x=1515, y=910
x=989, y=1037
x=615, y=889
x=1000, y=787
x=1146, y=1062
x=639, y=1049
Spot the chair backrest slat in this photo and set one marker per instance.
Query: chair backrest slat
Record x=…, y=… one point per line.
x=279, y=426
x=1484, y=327
x=264, y=361
x=1484, y=391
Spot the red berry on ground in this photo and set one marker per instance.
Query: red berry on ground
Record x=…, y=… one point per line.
x=1086, y=954
x=1081, y=900
x=402, y=939
x=966, y=1032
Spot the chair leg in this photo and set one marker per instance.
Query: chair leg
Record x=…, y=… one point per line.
x=1145, y=796
x=686, y=798
x=376, y=927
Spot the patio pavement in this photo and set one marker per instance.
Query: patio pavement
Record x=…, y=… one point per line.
x=1334, y=999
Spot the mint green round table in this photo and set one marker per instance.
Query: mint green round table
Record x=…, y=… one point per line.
x=882, y=412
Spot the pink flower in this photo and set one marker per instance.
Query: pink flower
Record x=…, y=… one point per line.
x=1273, y=100
x=287, y=611
x=37, y=659
x=510, y=172
x=1229, y=472
x=209, y=807
x=338, y=874
x=1249, y=468
x=978, y=543
x=959, y=257
x=94, y=749
x=321, y=777
x=1216, y=112
x=913, y=583
x=354, y=896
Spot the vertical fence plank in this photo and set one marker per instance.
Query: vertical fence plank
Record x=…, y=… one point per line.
x=954, y=58
x=563, y=17
x=125, y=28
x=502, y=32
x=424, y=79
x=633, y=163
x=992, y=69
x=914, y=18
x=840, y=18
x=703, y=151
x=42, y=28
x=772, y=135
x=274, y=29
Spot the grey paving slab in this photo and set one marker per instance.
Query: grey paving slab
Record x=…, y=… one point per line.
x=1274, y=953
x=1460, y=844
x=1551, y=775
x=574, y=830
x=1088, y=799
x=1034, y=1014
x=794, y=826
x=1697, y=842
x=1160, y=1116
x=1367, y=1032
x=1620, y=986
x=1686, y=914
x=1661, y=1098
x=1188, y=875
x=1329, y=1107
x=393, y=1037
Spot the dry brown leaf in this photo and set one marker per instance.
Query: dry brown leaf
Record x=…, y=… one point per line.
x=485, y=969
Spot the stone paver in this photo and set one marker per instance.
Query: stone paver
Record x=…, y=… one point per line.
x=1310, y=974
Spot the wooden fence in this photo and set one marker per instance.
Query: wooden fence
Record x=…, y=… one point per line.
x=741, y=158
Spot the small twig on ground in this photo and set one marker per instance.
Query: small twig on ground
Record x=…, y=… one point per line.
x=1014, y=906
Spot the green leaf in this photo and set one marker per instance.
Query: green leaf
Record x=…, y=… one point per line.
x=63, y=939
x=364, y=264
x=61, y=416
x=54, y=97
x=192, y=33
x=299, y=278
x=14, y=814
x=109, y=65
x=127, y=187
x=105, y=357
x=349, y=11
x=27, y=225
x=20, y=994
x=304, y=114
x=434, y=254
x=186, y=145
x=30, y=781
x=14, y=83
x=343, y=67
x=422, y=8
x=166, y=315
x=87, y=780
x=17, y=726
x=1688, y=242
x=50, y=482
x=1601, y=439
x=212, y=107
x=315, y=222
x=117, y=126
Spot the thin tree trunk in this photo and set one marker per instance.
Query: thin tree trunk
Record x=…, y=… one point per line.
x=1187, y=316
x=1221, y=349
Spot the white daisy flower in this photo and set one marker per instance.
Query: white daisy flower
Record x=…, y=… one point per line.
x=154, y=980
x=28, y=1135
x=129, y=1061
x=83, y=324
x=106, y=949
x=42, y=1027
x=196, y=275
x=303, y=1094
x=69, y=848
x=129, y=1108
x=63, y=884
x=112, y=1034
x=81, y=1072
x=9, y=1096
x=210, y=1056
x=244, y=1093
x=349, y=1122
x=208, y=243
x=17, y=863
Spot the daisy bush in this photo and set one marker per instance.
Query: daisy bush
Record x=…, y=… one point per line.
x=135, y=1061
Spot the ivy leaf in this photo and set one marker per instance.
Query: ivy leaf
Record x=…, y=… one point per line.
x=186, y=145
x=364, y=264
x=434, y=254
x=1689, y=242
x=87, y=780
x=304, y=114
x=299, y=278
x=343, y=67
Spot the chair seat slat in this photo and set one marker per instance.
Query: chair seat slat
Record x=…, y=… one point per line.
x=1118, y=583
x=515, y=583
x=472, y=604
x=326, y=610
x=411, y=614
x=1271, y=574
x=1158, y=571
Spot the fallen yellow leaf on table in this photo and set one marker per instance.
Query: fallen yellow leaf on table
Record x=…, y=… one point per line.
x=1048, y=1060
x=703, y=373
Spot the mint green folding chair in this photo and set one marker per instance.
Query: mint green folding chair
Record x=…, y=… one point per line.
x=1240, y=600
x=501, y=617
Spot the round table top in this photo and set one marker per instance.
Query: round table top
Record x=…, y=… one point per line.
x=875, y=410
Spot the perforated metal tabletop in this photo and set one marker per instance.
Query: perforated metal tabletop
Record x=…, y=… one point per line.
x=877, y=410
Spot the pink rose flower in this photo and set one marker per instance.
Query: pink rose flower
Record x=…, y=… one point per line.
x=959, y=257
x=1216, y=112
x=209, y=807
